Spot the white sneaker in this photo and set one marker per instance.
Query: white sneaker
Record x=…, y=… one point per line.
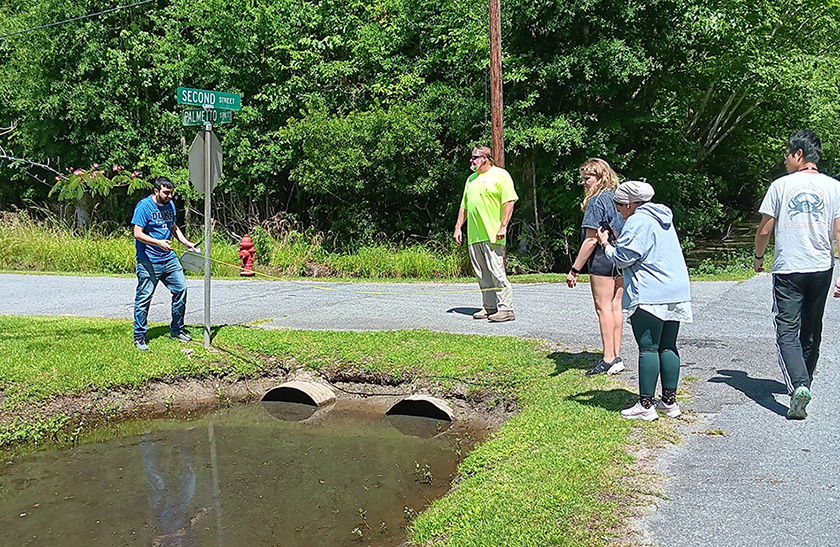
x=672, y=410
x=616, y=366
x=798, y=401
x=638, y=412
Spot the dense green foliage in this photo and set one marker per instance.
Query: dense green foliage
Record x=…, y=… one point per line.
x=358, y=118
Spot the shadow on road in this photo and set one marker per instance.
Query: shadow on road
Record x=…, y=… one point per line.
x=584, y=360
x=759, y=390
x=612, y=400
x=463, y=311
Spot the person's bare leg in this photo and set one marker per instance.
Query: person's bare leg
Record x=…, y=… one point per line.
x=603, y=293
x=618, y=316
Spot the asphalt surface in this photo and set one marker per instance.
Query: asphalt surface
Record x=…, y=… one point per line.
x=744, y=475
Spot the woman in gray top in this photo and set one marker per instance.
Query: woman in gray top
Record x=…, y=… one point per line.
x=657, y=293
x=599, y=182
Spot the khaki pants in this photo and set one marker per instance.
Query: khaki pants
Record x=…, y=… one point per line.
x=488, y=261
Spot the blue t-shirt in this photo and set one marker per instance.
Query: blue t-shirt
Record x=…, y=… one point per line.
x=157, y=221
x=601, y=207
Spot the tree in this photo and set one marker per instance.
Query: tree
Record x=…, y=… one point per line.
x=358, y=118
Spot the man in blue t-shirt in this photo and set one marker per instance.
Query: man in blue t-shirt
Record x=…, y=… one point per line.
x=154, y=225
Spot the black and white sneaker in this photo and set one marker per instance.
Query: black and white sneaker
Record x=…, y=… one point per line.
x=613, y=367
x=181, y=336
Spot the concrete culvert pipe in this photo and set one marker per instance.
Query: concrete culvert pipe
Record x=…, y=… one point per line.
x=307, y=393
x=423, y=406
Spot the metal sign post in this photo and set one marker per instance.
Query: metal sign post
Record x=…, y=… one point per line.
x=206, y=162
x=208, y=128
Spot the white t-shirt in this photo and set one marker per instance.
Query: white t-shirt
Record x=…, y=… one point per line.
x=805, y=205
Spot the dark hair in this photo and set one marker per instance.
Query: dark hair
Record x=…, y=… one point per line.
x=808, y=142
x=163, y=182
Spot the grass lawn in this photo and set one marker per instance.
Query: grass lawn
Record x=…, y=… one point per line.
x=555, y=474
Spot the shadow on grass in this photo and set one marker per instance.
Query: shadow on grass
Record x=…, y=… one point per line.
x=613, y=400
x=196, y=331
x=157, y=332
x=584, y=360
x=463, y=311
x=759, y=390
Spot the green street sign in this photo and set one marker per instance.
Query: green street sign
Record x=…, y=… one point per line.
x=200, y=116
x=212, y=99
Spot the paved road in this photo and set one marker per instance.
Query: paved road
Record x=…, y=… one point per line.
x=768, y=481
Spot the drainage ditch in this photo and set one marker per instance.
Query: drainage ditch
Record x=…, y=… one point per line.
x=298, y=469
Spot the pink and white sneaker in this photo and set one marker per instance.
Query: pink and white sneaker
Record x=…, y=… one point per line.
x=672, y=410
x=638, y=412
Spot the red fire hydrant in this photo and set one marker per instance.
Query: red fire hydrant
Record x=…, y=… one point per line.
x=246, y=256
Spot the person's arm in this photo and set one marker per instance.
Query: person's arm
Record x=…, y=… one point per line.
x=586, y=249
x=179, y=235
x=143, y=237
x=762, y=238
x=507, y=212
x=462, y=217
x=622, y=254
x=837, y=240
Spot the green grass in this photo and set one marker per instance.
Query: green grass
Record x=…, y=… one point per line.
x=550, y=477
x=731, y=266
x=41, y=357
x=29, y=245
x=555, y=474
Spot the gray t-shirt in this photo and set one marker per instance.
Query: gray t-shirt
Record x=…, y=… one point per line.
x=601, y=207
x=805, y=205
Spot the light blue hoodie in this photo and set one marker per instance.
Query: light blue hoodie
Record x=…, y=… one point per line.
x=649, y=254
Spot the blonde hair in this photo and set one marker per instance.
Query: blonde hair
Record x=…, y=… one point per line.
x=607, y=179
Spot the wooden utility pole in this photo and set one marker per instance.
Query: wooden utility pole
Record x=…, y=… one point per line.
x=496, y=102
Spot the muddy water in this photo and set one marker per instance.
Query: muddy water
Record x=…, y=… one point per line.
x=720, y=247
x=247, y=476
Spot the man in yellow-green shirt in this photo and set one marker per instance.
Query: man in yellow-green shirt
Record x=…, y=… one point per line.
x=486, y=207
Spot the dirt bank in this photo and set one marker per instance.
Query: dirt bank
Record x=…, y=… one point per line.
x=197, y=396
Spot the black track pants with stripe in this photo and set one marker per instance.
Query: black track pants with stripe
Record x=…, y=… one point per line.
x=798, y=306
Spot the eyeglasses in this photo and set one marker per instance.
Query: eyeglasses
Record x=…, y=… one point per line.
x=473, y=158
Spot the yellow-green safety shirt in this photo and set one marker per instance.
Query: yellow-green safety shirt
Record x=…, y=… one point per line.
x=484, y=196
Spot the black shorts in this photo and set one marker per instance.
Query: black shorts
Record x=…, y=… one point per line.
x=599, y=264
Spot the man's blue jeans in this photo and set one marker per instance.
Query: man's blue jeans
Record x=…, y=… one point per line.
x=171, y=274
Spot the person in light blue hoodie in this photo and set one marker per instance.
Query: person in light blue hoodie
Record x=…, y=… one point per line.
x=657, y=294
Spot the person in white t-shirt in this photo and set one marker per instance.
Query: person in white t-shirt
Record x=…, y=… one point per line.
x=804, y=208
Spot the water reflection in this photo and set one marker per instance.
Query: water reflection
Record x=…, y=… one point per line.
x=171, y=479
x=238, y=477
x=291, y=412
x=416, y=426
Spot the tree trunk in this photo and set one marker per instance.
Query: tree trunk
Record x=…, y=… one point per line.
x=84, y=207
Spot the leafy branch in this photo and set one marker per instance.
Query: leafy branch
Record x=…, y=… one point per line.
x=95, y=182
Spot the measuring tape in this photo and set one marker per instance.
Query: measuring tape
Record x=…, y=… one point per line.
x=192, y=258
